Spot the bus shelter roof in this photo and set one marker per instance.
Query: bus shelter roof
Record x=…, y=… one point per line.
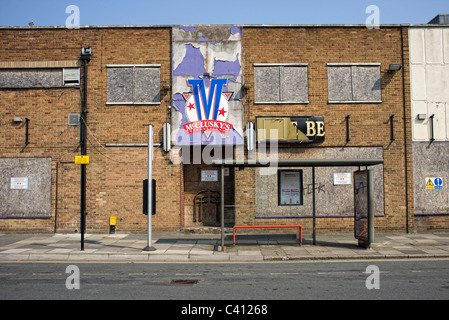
x=299, y=163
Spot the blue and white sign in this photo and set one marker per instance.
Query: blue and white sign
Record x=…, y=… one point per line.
x=434, y=183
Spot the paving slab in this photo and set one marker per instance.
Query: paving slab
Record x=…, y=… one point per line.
x=176, y=246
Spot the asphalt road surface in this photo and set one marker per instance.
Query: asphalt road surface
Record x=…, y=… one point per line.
x=331, y=280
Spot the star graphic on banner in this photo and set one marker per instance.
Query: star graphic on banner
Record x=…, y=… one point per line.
x=191, y=106
x=221, y=112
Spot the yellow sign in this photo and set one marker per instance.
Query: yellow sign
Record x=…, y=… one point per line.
x=81, y=159
x=434, y=183
x=112, y=221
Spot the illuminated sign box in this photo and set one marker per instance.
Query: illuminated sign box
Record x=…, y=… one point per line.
x=298, y=129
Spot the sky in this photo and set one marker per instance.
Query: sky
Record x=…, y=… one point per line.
x=196, y=12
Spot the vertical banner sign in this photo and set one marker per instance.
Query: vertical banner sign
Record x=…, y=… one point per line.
x=363, y=207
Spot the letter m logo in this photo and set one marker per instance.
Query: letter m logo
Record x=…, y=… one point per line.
x=207, y=101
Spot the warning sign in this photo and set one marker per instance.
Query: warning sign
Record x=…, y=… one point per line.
x=81, y=159
x=433, y=183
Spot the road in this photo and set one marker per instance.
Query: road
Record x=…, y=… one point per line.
x=399, y=279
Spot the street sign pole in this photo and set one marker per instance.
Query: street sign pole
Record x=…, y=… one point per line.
x=149, y=246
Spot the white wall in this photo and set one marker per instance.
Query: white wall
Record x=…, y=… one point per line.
x=429, y=66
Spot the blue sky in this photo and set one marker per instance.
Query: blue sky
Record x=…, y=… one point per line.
x=169, y=12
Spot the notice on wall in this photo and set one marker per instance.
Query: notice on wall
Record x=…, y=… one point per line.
x=434, y=183
x=209, y=175
x=19, y=183
x=290, y=188
x=342, y=178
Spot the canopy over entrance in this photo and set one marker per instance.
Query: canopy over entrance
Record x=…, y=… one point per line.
x=313, y=163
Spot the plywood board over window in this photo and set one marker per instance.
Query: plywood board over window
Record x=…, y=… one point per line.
x=25, y=188
x=31, y=78
x=281, y=83
x=354, y=83
x=134, y=84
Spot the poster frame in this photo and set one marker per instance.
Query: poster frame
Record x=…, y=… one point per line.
x=300, y=177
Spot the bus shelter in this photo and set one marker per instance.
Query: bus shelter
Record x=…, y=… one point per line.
x=312, y=163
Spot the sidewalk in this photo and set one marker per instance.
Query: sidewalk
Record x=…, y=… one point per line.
x=180, y=247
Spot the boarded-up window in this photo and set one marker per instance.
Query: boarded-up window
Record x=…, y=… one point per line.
x=25, y=187
x=31, y=78
x=354, y=83
x=286, y=83
x=134, y=84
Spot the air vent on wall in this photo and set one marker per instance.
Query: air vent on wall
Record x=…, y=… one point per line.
x=71, y=76
x=74, y=119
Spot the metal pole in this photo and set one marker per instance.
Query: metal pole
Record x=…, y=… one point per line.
x=149, y=246
x=370, y=174
x=222, y=208
x=83, y=130
x=313, y=205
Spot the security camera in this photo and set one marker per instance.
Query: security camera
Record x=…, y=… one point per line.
x=86, y=51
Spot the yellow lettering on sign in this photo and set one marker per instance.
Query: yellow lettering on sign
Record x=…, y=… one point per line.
x=311, y=131
x=320, y=128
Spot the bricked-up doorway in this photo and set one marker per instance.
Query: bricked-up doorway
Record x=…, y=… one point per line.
x=202, y=192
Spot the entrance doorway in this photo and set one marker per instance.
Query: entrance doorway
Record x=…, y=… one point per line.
x=202, y=195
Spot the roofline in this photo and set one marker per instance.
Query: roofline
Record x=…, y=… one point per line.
x=225, y=25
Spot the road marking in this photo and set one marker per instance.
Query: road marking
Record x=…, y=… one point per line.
x=141, y=274
x=235, y=274
x=284, y=273
x=335, y=272
x=46, y=274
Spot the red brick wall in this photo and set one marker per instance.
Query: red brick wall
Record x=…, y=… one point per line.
x=369, y=123
x=114, y=175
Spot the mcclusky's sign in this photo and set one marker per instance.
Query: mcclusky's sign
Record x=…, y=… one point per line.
x=207, y=107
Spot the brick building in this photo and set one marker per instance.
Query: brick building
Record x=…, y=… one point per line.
x=330, y=92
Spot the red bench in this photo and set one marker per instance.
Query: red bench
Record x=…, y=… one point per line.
x=271, y=226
